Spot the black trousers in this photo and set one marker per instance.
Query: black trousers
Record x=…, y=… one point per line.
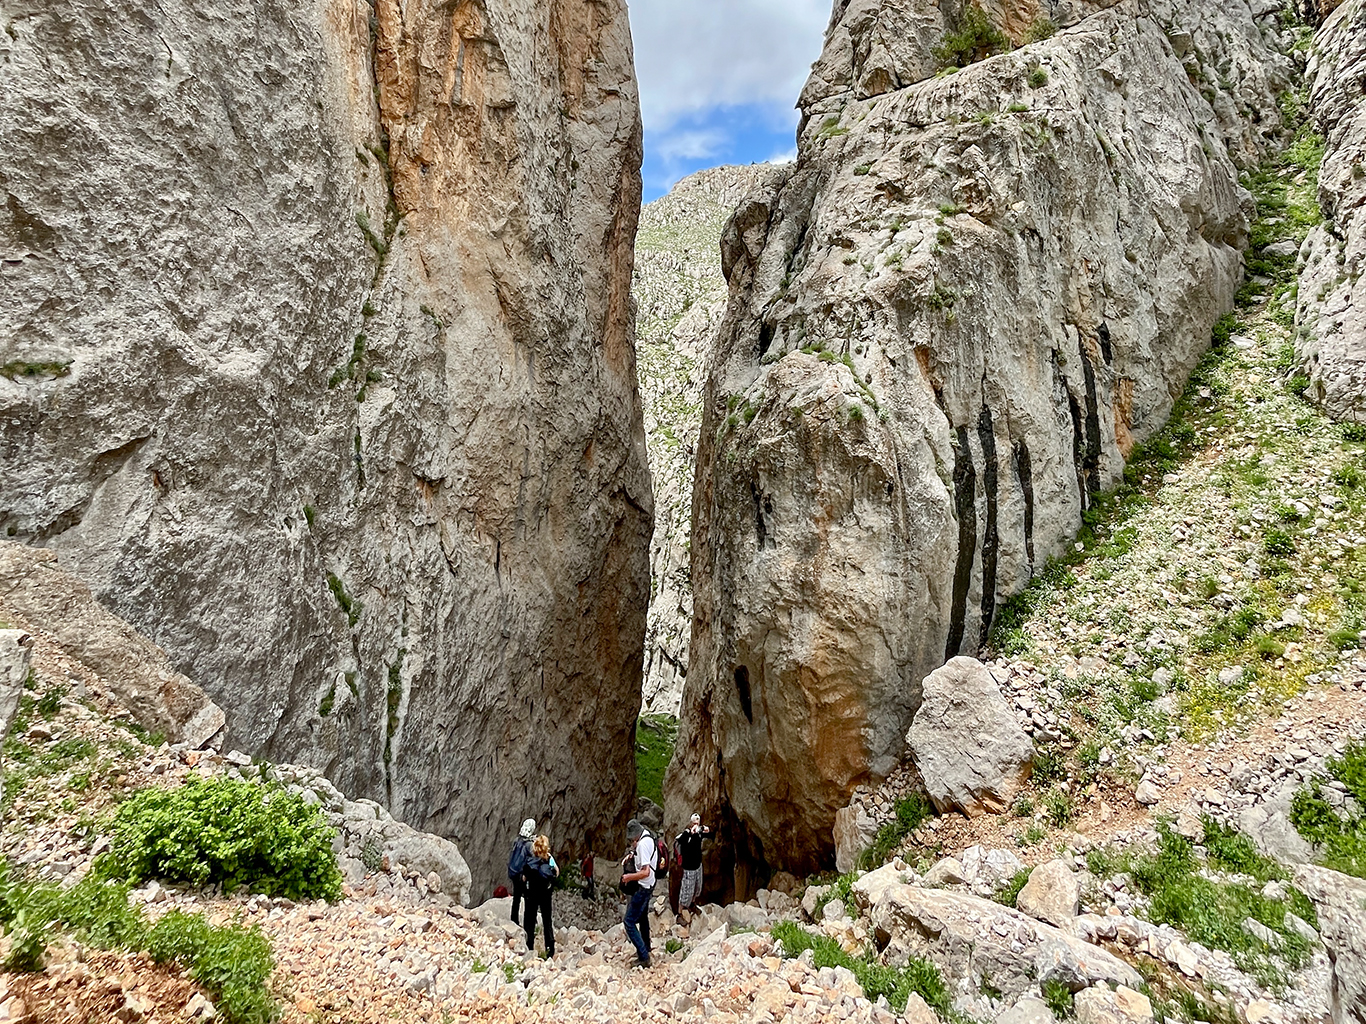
x=539, y=901
x=518, y=893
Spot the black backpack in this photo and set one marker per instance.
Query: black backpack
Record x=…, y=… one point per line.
x=629, y=868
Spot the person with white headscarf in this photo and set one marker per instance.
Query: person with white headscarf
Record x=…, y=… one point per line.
x=689, y=844
x=517, y=862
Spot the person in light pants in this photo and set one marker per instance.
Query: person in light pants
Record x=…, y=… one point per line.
x=690, y=846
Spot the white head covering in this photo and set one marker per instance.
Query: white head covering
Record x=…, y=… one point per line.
x=697, y=819
x=528, y=829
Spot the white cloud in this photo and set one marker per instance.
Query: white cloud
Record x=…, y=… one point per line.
x=695, y=55
x=680, y=146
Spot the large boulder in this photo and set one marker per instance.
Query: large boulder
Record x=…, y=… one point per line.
x=1052, y=894
x=1331, y=340
x=971, y=751
x=16, y=654
x=855, y=831
x=37, y=590
x=950, y=321
x=970, y=938
x=319, y=369
x=1341, y=904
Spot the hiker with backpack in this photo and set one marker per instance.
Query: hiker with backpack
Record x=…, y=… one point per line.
x=517, y=860
x=638, y=883
x=541, y=872
x=690, y=847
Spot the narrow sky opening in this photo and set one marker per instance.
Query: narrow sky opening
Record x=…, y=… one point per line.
x=719, y=81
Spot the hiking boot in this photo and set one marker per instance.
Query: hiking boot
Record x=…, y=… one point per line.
x=643, y=964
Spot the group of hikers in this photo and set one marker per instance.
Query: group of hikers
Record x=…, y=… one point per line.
x=532, y=871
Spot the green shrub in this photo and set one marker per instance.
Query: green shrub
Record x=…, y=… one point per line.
x=226, y=831
x=233, y=964
x=1058, y=808
x=1009, y=891
x=1038, y=78
x=1355, y=432
x=1340, y=837
x=976, y=38
x=1043, y=28
x=911, y=812
x=1278, y=542
x=1059, y=999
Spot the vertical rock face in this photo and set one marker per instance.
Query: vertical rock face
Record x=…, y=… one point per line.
x=319, y=369
x=681, y=297
x=1332, y=295
x=949, y=324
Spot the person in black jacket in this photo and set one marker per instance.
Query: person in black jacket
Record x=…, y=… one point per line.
x=690, y=846
x=541, y=871
x=521, y=853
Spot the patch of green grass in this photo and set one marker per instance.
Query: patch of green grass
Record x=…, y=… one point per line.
x=673, y=945
x=877, y=979
x=1059, y=999
x=1038, y=78
x=655, y=738
x=1339, y=836
x=1212, y=911
x=911, y=812
x=1058, y=807
x=232, y=963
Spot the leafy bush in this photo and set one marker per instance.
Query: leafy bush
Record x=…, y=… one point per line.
x=1059, y=999
x=896, y=983
x=976, y=38
x=223, y=830
x=1278, y=542
x=232, y=963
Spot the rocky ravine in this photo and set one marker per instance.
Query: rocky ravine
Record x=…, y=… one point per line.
x=1332, y=313
x=319, y=368
x=681, y=297
x=950, y=322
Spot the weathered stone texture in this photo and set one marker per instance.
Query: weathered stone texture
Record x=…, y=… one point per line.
x=37, y=593
x=972, y=753
x=681, y=298
x=950, y=321
x=1331, y=318
x=320, y=328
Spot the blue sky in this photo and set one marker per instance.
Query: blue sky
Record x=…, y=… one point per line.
x=719, y=80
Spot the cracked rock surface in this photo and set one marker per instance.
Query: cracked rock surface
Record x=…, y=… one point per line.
x=319, y=369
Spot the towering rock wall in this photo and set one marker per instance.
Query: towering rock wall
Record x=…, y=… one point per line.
x=681, y=298
x=1332, y=296
x=949, y=324
x=319, y=368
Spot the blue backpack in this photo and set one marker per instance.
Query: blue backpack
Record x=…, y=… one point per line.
x=521, y=853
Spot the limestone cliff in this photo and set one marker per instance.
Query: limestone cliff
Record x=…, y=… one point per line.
x=1332, y=297
x=319, y=369
x=681, y=297
x=949, y=323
